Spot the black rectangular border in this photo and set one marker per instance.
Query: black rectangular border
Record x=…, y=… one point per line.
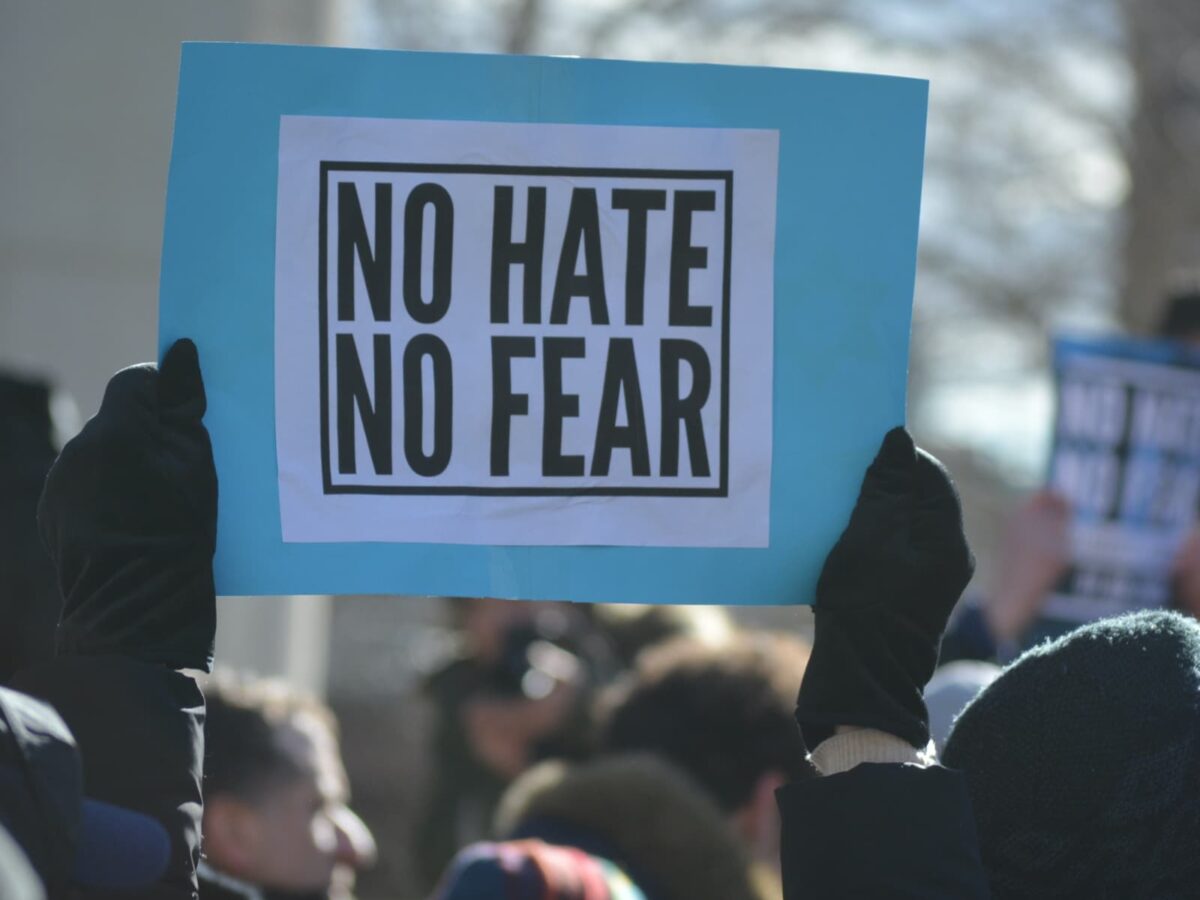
x=327, y=167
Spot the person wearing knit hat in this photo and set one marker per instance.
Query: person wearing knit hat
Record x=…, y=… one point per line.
x=619, y=827
x=1075, y=774
x=1082, y=762
x=534, y=870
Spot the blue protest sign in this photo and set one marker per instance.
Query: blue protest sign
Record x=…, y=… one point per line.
x=1127, y=458
x=539, y=328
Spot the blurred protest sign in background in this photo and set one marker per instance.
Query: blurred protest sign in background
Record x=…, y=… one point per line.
x=1127, y=459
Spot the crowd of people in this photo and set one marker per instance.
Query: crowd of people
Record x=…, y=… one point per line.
x=583, y=753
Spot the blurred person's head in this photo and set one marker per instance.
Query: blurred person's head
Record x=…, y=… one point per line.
x=1083, y=763
x=723, y=713
x=633, y=628
x=636, y=812
x=1181, y=315
x=494, y=631
x=276, y=792
x=520, y=690
x=485, y=623
x=533, y=870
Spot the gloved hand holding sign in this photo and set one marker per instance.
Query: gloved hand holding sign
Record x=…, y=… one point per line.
x=129, y=515
x=883, y=599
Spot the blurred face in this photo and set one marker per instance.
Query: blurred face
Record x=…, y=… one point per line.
x=300, y=836
x=487, y=622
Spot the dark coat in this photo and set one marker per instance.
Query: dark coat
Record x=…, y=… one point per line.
x=886, y=831
x=139, y=729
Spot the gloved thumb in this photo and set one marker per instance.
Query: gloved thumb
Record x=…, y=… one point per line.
x=887, y=486
x=180, y=386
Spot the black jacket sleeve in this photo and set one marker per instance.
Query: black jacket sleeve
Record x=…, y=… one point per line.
x=886, y=831
x=139, y=728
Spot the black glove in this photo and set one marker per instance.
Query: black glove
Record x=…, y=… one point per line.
x=129, y=515
x=883, y=599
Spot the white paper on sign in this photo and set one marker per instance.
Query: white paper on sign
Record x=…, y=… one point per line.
x=524, y=334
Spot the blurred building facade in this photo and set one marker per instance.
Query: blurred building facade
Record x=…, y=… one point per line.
x=87, y=99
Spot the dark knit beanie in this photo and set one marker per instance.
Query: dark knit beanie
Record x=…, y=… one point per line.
x=533, y=870
x=1083, y=764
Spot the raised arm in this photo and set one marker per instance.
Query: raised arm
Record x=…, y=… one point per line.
x=883, y=821
x=129, y=517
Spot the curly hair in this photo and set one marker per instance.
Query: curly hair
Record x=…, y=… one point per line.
x=724, y=713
